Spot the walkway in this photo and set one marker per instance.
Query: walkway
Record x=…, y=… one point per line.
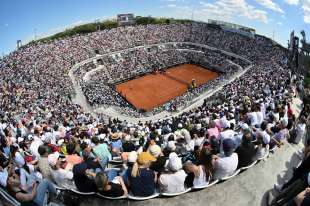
x=79, y=97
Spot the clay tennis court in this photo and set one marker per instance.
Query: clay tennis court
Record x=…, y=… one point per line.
x=153, y=90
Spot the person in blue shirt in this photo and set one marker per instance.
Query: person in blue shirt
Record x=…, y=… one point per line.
x=142, y=179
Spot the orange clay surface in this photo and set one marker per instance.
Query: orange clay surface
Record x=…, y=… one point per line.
x=153, y=90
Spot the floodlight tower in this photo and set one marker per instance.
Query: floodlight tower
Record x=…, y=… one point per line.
x=97, y=22
x=18, y=43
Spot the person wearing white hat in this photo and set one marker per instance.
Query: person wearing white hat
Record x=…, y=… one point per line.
x=61, y=176
x=173, y=181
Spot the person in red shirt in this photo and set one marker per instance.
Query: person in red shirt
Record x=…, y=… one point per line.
x=72, y=158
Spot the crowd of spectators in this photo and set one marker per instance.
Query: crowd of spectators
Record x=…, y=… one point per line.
x=99, y=86
x=45, y=138
x=60, y=55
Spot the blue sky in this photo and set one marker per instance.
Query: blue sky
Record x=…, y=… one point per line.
x=21, y=19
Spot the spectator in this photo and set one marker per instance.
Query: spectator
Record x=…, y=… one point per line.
x=202, y=172
x=159, y=164
x=246, y=151
x=142, y=179
x=84, y=178
x=37, y=194
x=72, y=158
x=60, y=175
x=173, y=181
x=114, y=188
x=6, y=169
x=43, y=164
x=303, y=198
x=101, y=150
x=226, y=164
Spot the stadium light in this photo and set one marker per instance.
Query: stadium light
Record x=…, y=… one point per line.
x=18, y=44
x=97, y=22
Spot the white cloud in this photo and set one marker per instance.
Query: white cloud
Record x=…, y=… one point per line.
x=306, y=8
x=227, y=9
x=292, y=2
x=178, y=11
x=279, y=23
x=55, y=30
x=270, y=5
x=171, y=5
